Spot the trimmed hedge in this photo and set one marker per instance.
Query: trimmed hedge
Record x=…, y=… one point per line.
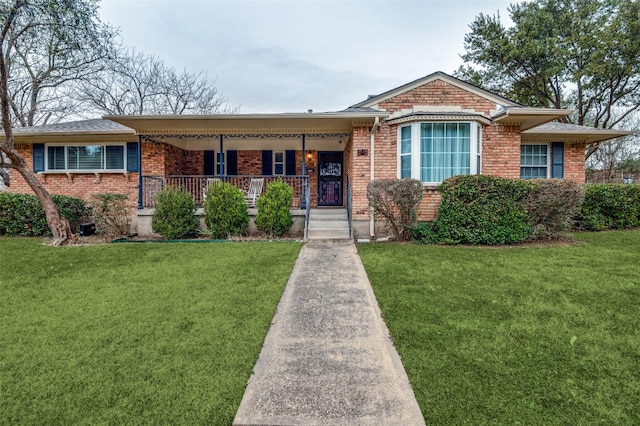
x=609, y=206
x=174, y=216
x=488, y=210
x=274, y=209
x=23, y=215
x=225, y=211
x=484, y=210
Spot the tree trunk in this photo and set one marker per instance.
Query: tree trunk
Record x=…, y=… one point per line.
x=58, y=225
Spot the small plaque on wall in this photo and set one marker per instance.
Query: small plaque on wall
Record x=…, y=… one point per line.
x=362, y=152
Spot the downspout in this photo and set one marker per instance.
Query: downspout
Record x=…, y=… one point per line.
x=371, y=174
x=139, y=172
x=304, y=181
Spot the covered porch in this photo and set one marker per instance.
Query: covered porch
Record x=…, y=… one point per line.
x=306, y=151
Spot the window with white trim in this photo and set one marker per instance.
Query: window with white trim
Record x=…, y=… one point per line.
x=534, y=161
x=90, y=158
x=278, y=163
x=434, y=151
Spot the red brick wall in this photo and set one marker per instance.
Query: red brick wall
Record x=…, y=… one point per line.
x=501, y=151
x=250, y=162
x=574, y=162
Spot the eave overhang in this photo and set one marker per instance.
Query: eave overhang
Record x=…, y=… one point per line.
x=528, y=118
x=564, y=132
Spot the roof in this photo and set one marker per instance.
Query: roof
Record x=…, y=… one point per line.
x=94, y=126
x=571, y=132
x=439, y=75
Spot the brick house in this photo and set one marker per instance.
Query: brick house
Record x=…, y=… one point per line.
x=429, y=129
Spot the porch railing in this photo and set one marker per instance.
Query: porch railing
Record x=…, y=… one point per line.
x=197, y=185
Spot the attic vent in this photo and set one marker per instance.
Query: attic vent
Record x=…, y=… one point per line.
x=309, y=111
x=371, y=96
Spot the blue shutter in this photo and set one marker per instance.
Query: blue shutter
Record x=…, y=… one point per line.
x=267, y=163
x=38, y=157
x=209, y=163
x=557, y=160
x=290, y=160
x=232, y=162
x=132, y=156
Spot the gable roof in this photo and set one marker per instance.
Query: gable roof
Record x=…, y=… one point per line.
x=439, y=75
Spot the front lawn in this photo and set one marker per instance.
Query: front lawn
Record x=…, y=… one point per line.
x=516, y=335
x=145, y=333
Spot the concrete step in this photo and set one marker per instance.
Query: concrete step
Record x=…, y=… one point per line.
x=328, y=224
x=325, y=234
x=331, y=214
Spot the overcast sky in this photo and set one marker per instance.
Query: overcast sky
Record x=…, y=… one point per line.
x=291, y=56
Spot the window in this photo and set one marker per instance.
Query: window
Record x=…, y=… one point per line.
x=278, y=162
x=434, y=151
x=534, y=161
x=220, y=169
x=86, y=158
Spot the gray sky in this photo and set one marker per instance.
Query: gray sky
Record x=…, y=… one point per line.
x=291, y=56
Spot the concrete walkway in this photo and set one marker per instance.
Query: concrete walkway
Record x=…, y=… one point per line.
x=327, y=358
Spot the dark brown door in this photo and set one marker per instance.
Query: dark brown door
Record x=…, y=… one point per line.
x=330, y=178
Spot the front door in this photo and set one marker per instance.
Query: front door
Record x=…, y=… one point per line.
x=330, y=178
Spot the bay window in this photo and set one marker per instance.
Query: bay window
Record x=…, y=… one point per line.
x=434, y=151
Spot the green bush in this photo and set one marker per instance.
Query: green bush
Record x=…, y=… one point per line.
x=274, y=214
x=111, y=214
x=609, y=206
x=424, y=233
x=483, y=210
x=225, y=210
x=174, y=216
x=23, y=215
x=552, y=205
x=397, y=201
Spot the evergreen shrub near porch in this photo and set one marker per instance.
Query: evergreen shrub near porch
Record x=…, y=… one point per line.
x=23, y=215
x=225, y=210
x=174, y=216
x=274, y=209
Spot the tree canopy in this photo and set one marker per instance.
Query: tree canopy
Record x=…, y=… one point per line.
x=577, y=54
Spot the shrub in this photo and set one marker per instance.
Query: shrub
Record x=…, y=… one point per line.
x=174, y=216
x=23, y=215
x=551, y=205
x=484, y=210
x=274, y=214
x=609, y=206
x=225, y=211
x=111, y=214
x=397, y=201
x=424, y=233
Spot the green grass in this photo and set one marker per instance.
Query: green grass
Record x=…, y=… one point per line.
x=525, y=336
x=133, y=333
